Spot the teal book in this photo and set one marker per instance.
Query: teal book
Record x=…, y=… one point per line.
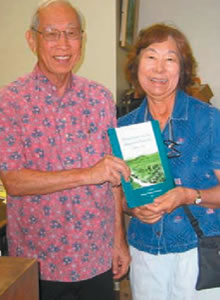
x=141, y=147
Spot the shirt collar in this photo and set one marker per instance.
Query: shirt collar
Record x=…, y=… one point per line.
x=39, y=76
x=180, y=110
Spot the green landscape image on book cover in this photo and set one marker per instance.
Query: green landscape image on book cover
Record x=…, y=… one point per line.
x=146, y=170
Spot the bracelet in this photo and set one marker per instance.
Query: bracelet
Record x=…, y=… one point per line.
x=198, y=199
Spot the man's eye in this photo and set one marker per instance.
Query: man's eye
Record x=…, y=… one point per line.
x=51, y=34
x=73, y=33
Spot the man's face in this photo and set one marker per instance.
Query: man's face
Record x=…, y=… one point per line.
x=57, y=58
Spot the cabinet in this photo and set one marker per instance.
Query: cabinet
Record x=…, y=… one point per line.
x=18, y=278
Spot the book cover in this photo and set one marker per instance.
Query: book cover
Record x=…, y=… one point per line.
x=141, y=147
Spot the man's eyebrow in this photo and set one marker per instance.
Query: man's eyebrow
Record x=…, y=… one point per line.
x=53, y=26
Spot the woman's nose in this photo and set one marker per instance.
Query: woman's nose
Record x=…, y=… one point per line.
x=159, y=66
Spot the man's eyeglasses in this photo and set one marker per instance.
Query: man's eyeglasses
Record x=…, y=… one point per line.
x=55, y=34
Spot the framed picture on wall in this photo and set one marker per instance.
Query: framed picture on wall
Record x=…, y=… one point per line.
x=129, y=22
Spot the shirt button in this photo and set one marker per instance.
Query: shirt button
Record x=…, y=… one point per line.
x=158, y=233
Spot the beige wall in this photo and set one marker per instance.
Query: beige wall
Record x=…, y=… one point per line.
x=100, y=54
x=121, y=83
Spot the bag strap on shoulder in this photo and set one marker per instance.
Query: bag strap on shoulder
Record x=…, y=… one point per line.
x=194, y=222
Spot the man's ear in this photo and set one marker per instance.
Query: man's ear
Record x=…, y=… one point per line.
x=31, y=39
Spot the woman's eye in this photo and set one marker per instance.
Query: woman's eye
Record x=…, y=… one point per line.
x=150, y=57
x=172, y=59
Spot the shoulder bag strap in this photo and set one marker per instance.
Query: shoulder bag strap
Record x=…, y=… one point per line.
x=194, y=222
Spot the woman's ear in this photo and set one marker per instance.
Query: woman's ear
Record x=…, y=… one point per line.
x=32, y=42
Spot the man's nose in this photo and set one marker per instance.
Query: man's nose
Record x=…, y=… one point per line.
x=63, y=39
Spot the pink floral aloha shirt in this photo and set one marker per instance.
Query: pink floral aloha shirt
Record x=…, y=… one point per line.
x=69, y=232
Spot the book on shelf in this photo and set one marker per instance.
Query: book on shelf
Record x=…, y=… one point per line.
x=141, y=147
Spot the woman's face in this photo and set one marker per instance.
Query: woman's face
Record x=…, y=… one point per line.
x=159, y=70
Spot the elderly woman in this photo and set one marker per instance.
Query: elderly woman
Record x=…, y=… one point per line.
x=162, y=241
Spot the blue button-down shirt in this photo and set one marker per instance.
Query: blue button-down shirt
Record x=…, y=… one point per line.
x=196, y=129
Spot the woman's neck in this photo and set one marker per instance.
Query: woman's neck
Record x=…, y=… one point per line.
x=161, y=111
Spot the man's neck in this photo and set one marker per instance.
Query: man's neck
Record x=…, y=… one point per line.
x=60, y=81
x=62, y=84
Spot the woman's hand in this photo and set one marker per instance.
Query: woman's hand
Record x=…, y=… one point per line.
x=151, y=213
x=172, y=199
x=146, y=215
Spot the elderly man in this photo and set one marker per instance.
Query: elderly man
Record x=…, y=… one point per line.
x=64, y=199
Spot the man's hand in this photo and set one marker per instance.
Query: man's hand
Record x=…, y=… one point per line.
x=121, y=259
x=121, y=256
x=110, y=169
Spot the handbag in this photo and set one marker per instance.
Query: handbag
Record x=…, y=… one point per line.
x=208, y=256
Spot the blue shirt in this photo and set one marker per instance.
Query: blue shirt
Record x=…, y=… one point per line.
x=196, y=129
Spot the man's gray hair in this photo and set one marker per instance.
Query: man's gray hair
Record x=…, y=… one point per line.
x=35, y=19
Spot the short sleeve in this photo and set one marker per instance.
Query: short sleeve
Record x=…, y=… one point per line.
x=215, y=139
x=11, y=147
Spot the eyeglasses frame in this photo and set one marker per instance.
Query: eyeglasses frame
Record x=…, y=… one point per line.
x=59, y=34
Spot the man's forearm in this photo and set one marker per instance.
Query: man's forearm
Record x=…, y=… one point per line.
x=31, y=182
x=119, y=216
